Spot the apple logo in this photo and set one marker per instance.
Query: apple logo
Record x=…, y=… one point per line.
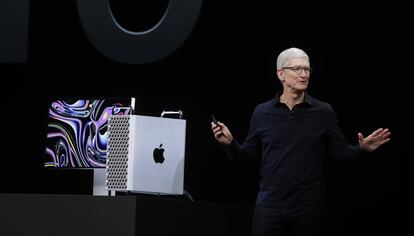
x=159, y=154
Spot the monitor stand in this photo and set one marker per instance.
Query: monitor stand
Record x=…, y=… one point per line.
x=99, y=186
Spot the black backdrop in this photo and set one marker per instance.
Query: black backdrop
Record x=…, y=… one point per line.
x=226, y=66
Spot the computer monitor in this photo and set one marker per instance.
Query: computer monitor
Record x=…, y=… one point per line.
x=77, y=131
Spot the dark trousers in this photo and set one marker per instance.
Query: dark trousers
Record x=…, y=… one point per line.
x=289, y=222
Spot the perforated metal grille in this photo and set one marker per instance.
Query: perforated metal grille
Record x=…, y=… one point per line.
x=117, y=158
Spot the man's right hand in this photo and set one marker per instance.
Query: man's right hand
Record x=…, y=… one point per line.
x=221, y=133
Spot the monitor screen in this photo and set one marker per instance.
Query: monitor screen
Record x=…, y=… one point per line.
x=77, y=131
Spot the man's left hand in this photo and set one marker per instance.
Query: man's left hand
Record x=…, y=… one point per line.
x=374, y=140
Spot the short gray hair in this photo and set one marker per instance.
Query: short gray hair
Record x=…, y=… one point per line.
x=288, y=54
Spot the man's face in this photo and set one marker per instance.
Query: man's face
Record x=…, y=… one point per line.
x=295, y=74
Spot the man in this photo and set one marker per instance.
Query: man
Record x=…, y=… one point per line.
x=291, y=134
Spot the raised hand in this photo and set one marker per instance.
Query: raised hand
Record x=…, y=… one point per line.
x=374, y=140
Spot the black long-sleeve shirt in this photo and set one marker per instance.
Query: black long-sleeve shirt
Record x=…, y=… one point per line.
x=292, y=145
